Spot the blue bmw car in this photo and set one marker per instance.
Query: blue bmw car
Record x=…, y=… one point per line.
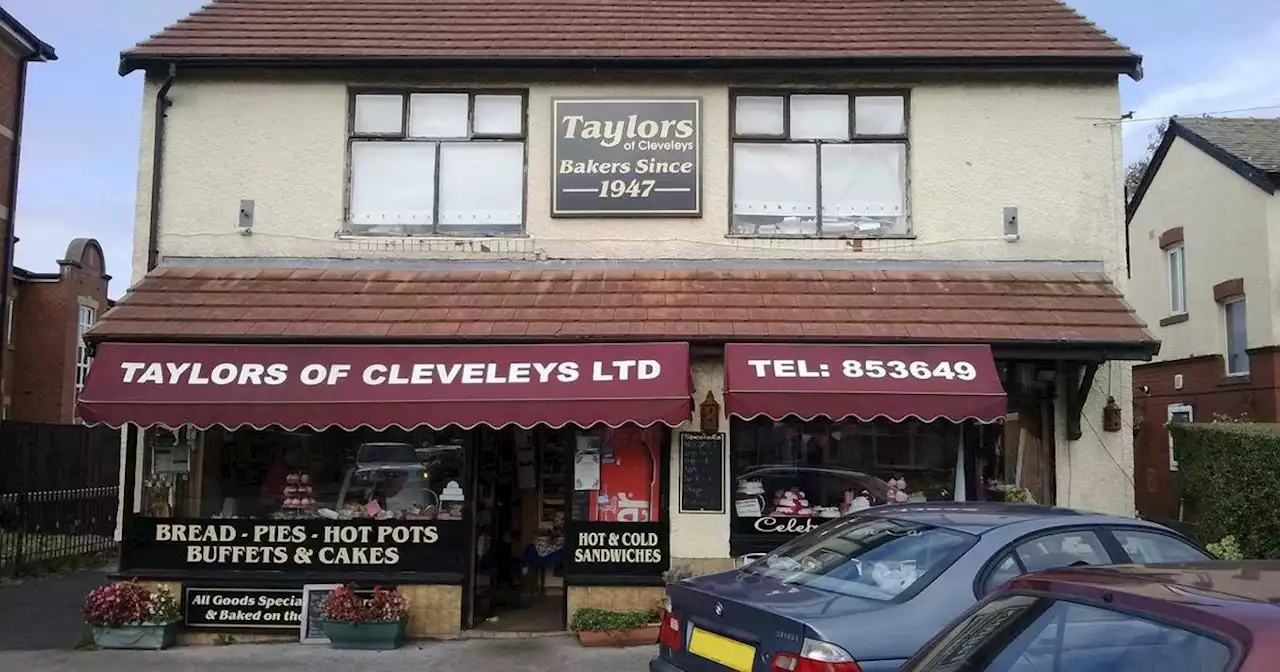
x=863, y=593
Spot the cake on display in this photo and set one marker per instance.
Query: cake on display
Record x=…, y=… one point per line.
x=791, y=502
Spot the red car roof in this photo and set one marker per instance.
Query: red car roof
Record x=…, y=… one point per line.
x=1239, y=600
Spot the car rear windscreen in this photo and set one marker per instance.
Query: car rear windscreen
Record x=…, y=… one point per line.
x=867, y=557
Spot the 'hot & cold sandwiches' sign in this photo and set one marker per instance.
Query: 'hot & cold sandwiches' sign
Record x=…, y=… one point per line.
x=626, y=157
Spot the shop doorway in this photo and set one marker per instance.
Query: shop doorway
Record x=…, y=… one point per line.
x=521, y=481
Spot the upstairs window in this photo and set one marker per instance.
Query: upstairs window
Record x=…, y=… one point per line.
x=819, y=164
x=425, y=163
x=1175, y=258
x=84, y=323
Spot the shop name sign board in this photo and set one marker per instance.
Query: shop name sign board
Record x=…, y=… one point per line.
x=634, y=157
x=242, y=608
x=321, y=373
x=300, y=545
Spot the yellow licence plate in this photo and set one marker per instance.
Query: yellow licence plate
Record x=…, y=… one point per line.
x=732, y=654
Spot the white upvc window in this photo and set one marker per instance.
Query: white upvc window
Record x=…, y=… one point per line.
x=1177, y=413
x=1176, y=261
x=436, y=163
x=1234, y=319
x=819, y=164
x=84, y=323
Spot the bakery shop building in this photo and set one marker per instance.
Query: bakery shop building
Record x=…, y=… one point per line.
x=527, y=335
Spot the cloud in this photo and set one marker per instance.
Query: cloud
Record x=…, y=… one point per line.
x=1238, y=74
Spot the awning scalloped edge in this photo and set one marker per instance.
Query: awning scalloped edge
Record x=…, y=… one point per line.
x=320, y=428
x=868, y=418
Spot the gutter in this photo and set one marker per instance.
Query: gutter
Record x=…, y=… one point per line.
x=1130, y=64
x=11, y=230
x=157, y=168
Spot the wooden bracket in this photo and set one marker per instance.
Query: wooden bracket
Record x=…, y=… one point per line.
x=1078, y=378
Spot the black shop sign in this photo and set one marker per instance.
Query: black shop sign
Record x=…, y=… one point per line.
x=633, y=157
x=347, y=546
x=602, y=549
x=268, y=608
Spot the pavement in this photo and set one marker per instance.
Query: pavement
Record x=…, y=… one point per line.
x=473, y=655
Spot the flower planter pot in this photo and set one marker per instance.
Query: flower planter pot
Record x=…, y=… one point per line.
x=629, y=637
x=372, y=635
x=152, y=637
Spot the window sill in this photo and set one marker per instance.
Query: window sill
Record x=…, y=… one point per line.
x=347, y=234
x=1235, y=379
x=806, y=236
x=1175, y=319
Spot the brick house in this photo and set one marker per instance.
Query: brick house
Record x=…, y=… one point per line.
x=699, y=185
x=46, y=358
x=1203, y=229
x=18, y=47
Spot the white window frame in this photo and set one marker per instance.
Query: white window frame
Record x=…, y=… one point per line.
x=1226, y=333
x=855, y=138
x=86, y=316
x=404, y=135
x=1176, y=258
x=11, y=306
x=1171, y=411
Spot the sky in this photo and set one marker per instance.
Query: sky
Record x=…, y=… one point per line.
x=81, y=143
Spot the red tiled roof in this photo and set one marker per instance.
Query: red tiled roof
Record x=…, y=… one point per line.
x=618, y=305
x=636, y=30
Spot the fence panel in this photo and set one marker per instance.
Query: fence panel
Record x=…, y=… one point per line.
x=58, y=493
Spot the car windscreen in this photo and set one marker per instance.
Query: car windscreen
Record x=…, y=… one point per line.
x=868, y=557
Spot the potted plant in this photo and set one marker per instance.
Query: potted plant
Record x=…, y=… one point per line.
x=601, y=627
x=375, y=623
x=125, y=615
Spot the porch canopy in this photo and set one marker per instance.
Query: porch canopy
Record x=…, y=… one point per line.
x=926, y=382
x=380, y=386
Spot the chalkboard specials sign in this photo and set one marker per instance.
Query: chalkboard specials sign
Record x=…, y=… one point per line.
x=634, y=157
x=701, y=473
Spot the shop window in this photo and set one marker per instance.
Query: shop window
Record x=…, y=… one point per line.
x=1237, y=337
x=1176, y=261
x=330, y=475
x=449, y=163
x=828, y=164
x=793, y=474
x=84, y=322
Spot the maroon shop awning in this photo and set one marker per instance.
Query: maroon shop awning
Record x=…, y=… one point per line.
x=928, y=382
x=381, y=386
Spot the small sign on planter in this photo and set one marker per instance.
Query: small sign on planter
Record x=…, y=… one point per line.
x=313, y=597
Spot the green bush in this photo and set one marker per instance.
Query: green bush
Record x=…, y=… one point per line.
x=1226, y=549
x=1229, y=475
x=603, y=619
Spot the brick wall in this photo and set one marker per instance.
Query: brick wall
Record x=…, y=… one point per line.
x=10, y=103
x=47, y=333
x=1208, y=391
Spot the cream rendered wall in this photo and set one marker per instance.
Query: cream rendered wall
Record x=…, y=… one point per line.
x=1225, y=235
x=1050, y=149
x=696, y=536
